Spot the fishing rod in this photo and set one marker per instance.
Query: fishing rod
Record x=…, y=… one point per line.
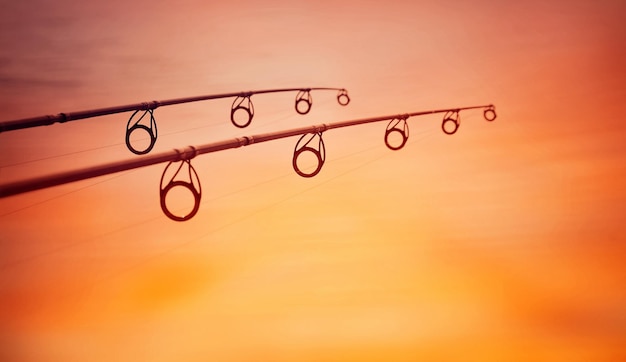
x=143, y=119
x=310, y=141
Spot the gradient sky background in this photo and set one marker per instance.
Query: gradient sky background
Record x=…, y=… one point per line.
x=504, y=241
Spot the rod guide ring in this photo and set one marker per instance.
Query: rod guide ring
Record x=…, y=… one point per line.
x=490, y=114
x=320, y=154
x=238, y=105
x=303, y=97
x=343, y=98
x=393, y=127
x=152, y=132
x=189, y=185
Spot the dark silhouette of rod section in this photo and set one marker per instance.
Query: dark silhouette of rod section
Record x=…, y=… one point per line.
x=188, y=153
x=145, y=106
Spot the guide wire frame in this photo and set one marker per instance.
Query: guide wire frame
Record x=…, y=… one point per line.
x=393, y=127
x=189, y=185
x=304, y=97
x=451, y=117
x=489, y=113
x=190, y=152
x=152, y=131
x=319, y=152
x=248, y=107
x=342, y=99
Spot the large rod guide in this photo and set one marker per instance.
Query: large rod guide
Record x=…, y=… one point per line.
x=185, y=175
x=143, y=120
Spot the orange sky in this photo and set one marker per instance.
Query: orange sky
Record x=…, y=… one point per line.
x=501, y=242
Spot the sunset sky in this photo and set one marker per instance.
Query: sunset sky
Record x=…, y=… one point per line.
x=504, y=241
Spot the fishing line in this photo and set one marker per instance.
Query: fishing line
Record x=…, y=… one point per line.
x=232, y=223
x=18, y=262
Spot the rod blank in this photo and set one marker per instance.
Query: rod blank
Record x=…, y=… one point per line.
x=143, y=106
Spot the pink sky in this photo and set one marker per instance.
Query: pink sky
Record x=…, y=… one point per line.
x=501, y=242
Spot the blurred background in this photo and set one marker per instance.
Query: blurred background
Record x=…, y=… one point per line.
x=504, y=241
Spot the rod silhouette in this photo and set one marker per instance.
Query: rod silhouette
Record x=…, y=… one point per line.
x=46, y=120
x=189, y=152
